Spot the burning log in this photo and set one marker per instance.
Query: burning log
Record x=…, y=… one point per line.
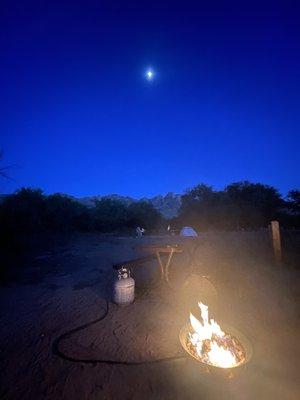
x=229, y=343
x=207, y=342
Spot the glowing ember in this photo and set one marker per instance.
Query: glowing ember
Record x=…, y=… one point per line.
x=211, y=345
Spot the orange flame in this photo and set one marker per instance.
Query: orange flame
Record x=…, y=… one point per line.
x=218, y=355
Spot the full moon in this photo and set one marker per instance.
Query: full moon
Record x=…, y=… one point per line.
x=149, y=75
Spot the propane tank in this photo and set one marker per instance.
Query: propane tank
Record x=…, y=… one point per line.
x=124, y=288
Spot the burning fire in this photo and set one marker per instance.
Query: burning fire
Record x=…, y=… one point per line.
x=211, y=345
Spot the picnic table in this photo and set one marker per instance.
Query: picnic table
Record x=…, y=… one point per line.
x=163, y=254
x=193, y=283
x=159, y=251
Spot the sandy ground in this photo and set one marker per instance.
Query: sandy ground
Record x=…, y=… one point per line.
x=65, y=286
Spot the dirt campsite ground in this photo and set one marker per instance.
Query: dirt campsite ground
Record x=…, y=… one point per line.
x=65, y=286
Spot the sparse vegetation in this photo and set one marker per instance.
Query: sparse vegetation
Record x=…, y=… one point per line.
x=241, y=205
x=30, y=211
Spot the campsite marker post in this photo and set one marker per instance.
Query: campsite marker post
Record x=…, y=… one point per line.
x=275, y=232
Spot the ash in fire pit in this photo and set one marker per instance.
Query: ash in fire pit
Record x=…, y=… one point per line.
x=208, y=343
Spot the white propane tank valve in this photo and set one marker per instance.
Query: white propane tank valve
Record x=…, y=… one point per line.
x=124, y=288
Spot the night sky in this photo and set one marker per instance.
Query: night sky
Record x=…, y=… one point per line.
x=79, y=116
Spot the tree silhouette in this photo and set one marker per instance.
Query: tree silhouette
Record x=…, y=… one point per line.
x=239, y=205
x=294, y=200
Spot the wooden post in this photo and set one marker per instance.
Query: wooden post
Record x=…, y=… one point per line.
x=275, y=231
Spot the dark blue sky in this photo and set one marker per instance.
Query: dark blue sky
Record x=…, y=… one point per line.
x=78, y=115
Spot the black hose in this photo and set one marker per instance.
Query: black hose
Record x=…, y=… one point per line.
x=56, y=351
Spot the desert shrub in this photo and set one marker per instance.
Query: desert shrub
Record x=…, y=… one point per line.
x=21, y=215
x=24, y=211
x=109, y=215
x=204, y=208
x=241, y=205
x=293, y=200
x=63, y=213
x=257, y=203
x=142, y=213
x=289, y=220
x=30, y=211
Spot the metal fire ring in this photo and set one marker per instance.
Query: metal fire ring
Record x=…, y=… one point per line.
x=184, y=331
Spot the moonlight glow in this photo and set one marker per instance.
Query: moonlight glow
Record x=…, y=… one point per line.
x=149, y=75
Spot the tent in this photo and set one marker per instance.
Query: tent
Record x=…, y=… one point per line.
x=188, y=231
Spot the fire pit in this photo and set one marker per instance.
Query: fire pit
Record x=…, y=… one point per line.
x=215, y=347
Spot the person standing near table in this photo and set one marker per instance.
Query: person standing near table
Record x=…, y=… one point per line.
x=140, y=232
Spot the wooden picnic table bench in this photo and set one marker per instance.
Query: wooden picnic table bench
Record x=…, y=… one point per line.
x=161, y=249
x=133, y=262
